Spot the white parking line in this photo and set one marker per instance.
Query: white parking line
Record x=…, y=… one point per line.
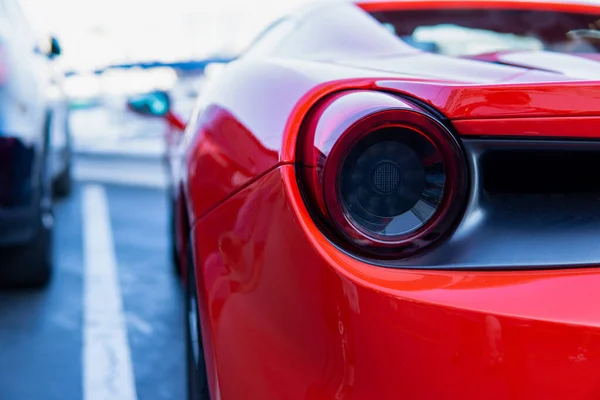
x=121, y=172
x=107, y=369
x=140, y=178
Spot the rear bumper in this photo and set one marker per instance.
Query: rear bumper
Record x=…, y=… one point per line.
x=287, y=315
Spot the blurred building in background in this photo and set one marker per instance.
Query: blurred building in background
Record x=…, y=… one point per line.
x=113, y=49
x=97, y=33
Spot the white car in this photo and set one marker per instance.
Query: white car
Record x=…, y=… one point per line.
x=35, y=151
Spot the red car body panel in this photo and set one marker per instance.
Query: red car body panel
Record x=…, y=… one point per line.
x=527, y=100
x=242, y=135
x=287, y=315
x=574, y=6
x=262, y=133
x=544, y=127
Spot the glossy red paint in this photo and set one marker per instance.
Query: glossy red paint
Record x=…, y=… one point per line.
x=550, y=127
x=250, y=93
x=287, y=315
x=228, y=151
x=531, y=100
x=176, y=122
x=574, y=6
x=323, y=324
x=226, y=156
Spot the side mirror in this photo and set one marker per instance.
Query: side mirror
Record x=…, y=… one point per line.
x=155, y=104
x=49, y=47
x=55, y=48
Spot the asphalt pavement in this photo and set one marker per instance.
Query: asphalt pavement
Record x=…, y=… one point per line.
x=110, y=325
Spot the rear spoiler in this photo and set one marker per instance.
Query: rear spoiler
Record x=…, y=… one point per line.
x=504, y=100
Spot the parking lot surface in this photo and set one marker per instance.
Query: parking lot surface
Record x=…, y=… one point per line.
x=91, y=334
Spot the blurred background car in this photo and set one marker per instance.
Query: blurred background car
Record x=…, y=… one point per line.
x=35, y=154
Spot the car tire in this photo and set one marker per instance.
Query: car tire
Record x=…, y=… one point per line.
x=29, y=265
x=63, y=183
x=196, y=366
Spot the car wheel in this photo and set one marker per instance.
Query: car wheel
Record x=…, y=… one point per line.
x=29, y=265
x=196, y=367
x=63, y=183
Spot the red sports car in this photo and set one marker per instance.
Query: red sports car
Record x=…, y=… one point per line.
x=397, y=199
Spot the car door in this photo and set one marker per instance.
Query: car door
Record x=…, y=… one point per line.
x=22, y=99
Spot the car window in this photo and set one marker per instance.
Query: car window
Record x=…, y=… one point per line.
x=270, y=38
x=468, y=32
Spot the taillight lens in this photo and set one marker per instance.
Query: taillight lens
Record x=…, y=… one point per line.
x=381, y=174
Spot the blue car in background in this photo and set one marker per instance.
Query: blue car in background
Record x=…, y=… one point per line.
x=35, y=150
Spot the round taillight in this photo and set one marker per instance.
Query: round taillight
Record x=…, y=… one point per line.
x=382, y=175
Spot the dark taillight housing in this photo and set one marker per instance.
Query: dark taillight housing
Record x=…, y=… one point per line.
x=380, y=174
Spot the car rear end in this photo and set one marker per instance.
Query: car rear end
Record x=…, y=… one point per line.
x=420, y=238
x=403, y=255
x=493, y=293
